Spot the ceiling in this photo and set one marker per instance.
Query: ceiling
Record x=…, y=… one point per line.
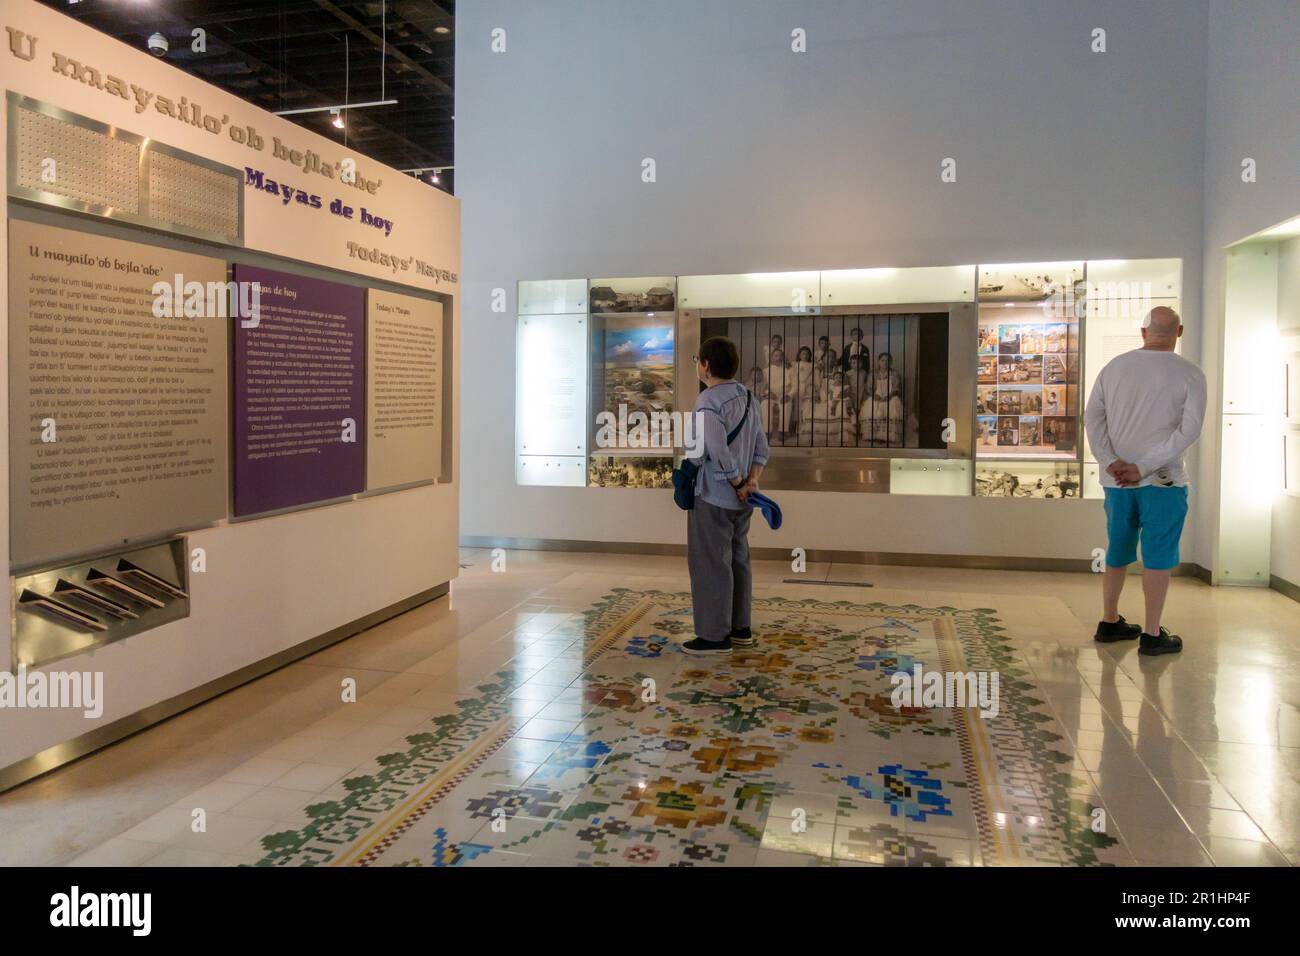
x=290, y=54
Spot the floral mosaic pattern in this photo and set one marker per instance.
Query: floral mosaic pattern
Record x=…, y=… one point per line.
x=790, y=750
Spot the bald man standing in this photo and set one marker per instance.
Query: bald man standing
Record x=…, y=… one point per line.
x=1146, y=409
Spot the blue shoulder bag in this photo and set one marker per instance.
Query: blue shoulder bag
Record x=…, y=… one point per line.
x=684, y=474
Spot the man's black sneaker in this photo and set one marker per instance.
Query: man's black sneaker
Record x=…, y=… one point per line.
x=742, y=637
x=1120, y=630
x=1162, y=643
x=702, y=648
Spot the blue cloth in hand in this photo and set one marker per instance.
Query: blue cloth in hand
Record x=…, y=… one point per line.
x=771, y=510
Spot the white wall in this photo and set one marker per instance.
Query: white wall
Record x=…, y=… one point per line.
x=275, y=582
x=1253, y=85
x=769, y=160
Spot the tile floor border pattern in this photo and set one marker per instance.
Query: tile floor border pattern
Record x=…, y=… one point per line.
x=422, y=807
x=339, y=826
x=400, y=798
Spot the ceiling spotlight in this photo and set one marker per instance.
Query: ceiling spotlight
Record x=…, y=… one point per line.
x=442, y=29
x=433, y=177
x=337, y=120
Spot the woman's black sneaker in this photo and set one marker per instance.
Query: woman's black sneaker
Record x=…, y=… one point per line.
x=702, y=648
x=1120, y=630
x=1162, y=643
x=742, y=637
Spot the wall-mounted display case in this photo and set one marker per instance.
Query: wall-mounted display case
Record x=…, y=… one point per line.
x=1027, y=392
x=950, y=380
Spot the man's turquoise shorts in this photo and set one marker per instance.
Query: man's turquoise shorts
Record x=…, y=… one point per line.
x=1153, y=513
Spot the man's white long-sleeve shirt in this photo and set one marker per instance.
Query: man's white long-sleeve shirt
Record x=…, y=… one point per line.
x=1146, y=408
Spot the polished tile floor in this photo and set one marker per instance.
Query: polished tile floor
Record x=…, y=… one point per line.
x=545, y=716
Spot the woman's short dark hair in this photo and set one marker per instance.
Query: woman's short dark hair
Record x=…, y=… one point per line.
x=721, y=355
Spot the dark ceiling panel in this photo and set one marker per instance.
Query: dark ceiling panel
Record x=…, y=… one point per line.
x=290, y=54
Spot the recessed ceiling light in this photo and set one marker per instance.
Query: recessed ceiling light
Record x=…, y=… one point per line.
x=442, y=29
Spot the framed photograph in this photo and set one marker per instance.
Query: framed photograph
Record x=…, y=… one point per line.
x=988, y=338
x=1020, y=370
x=988, y=370
x=1008, y=402
x=1054, y=400
x=1031, y=428
x=634, y=373
x=645, y=294
x=1028, y=479
x=1055, y=337
x=987, y=431
x=1031, y=339
x=1055, y=369
x=1009, y=339
x=1008, y=430
x=1027, y=281
x=623, y=471
x=844, y=380
x=1061, y=433
x=986, y=400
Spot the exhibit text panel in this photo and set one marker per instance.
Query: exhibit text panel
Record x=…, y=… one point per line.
x=117, y=400
x=299, y=422
x=404, y=387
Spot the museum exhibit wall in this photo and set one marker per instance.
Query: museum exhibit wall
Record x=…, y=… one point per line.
x=273, y=582
x=1253, y=84
x=768, y=160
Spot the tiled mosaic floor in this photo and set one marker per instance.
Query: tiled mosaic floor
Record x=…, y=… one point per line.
x=600, y=743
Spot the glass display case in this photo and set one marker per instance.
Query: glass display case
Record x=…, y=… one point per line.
x=1028, y=405
x=1027, y=402
x=633, y=381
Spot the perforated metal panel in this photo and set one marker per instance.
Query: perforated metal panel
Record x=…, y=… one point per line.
x=87, y=166
x=194, y=196
x=71, y=161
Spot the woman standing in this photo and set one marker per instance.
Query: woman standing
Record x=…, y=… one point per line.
x=777, y=411
x=805, y=374
x=887, y=405
x=717, y=527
